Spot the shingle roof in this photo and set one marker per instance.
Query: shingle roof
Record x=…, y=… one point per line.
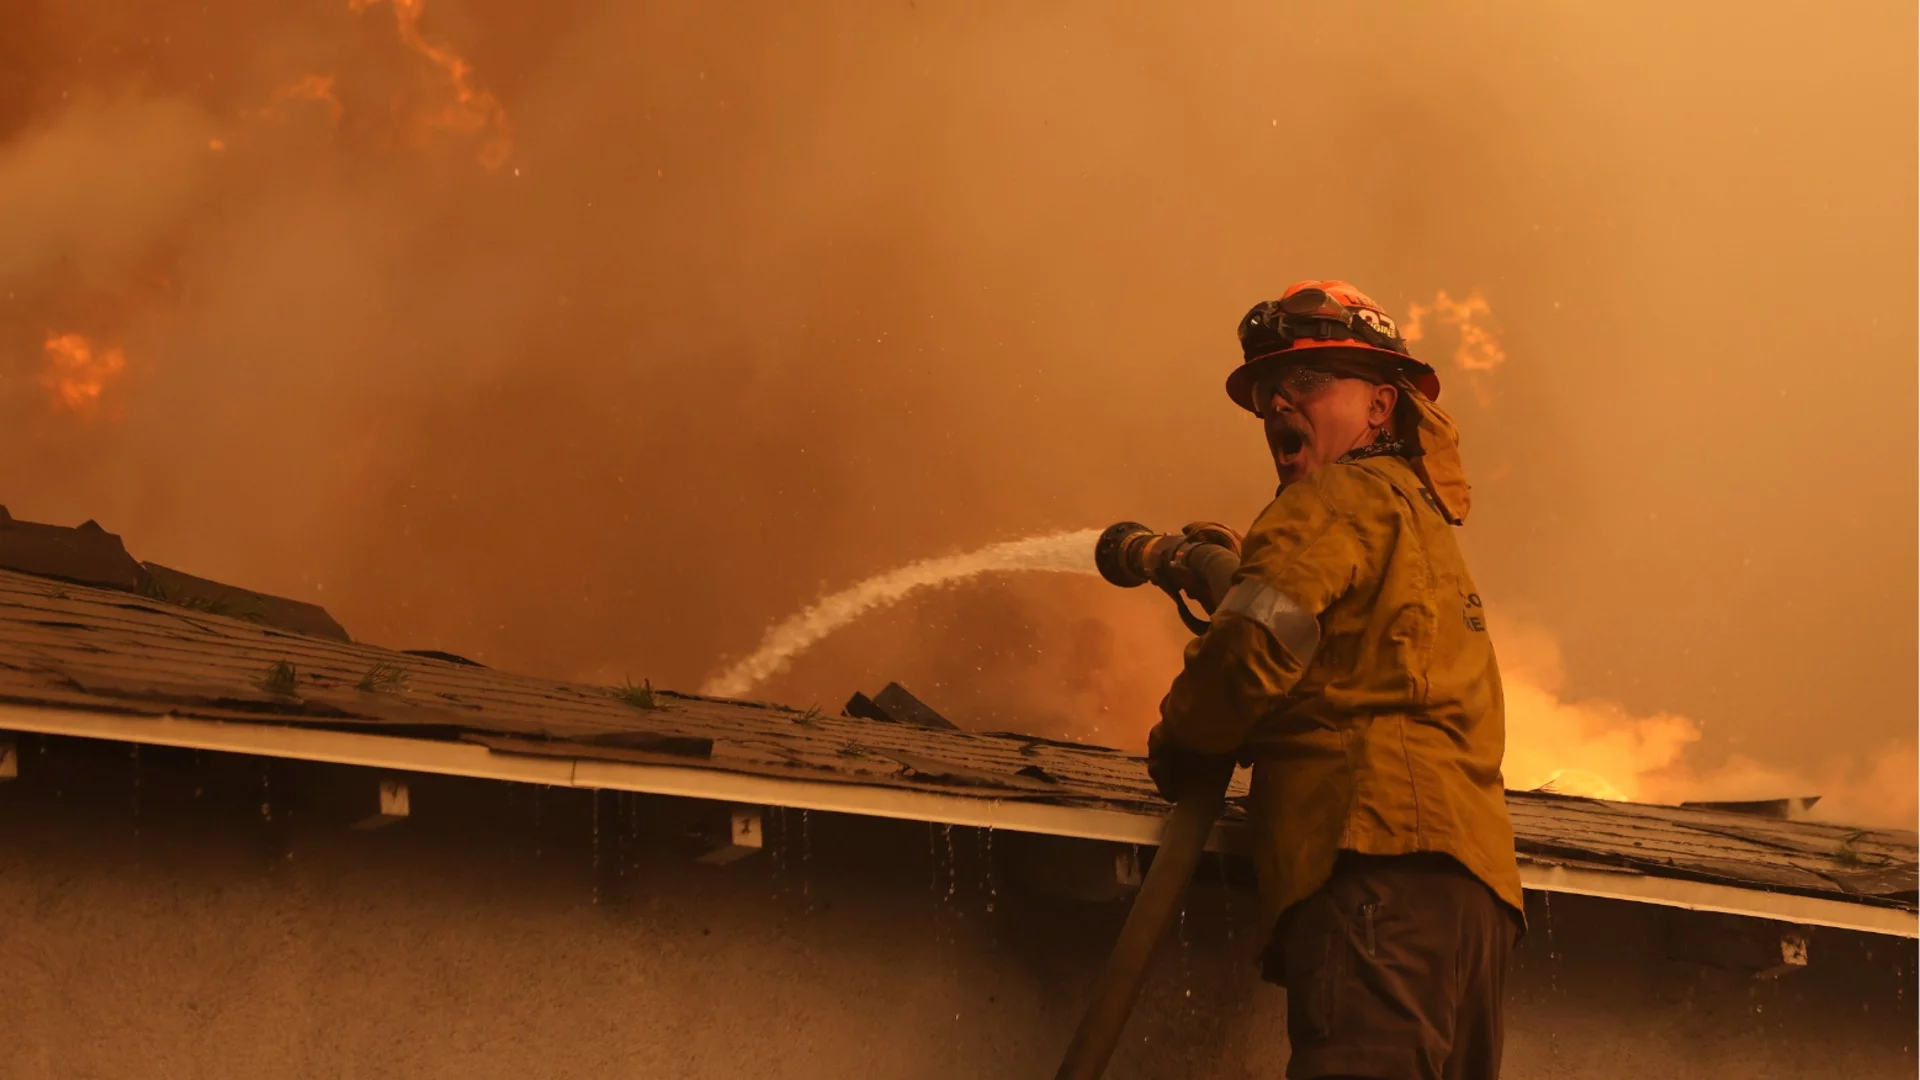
x=69, y=646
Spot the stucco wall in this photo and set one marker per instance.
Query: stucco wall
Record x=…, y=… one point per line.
x=173, y=914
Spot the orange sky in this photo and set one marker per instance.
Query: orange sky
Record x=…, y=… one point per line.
x=716, y=313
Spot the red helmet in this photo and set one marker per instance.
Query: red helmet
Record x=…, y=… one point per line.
x=1340, y=321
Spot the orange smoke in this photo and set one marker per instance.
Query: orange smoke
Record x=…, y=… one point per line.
x=1593, y=748
x=77, y=373
x=1603, y=750
x=473, y=109
x=317, y=89
x=1477, y=349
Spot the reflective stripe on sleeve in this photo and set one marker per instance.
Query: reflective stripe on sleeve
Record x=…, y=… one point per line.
x=1291, y=624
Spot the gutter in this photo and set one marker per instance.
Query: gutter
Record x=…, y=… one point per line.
x=1086, y=823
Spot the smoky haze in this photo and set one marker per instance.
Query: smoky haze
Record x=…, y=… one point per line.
x=762, y=302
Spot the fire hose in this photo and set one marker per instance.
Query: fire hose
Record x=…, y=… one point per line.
x=1198, y=564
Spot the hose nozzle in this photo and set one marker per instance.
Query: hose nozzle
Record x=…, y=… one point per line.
x=1199, y=560
x=1121, y=553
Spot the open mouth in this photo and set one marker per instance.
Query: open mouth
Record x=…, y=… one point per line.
x=1291, y=442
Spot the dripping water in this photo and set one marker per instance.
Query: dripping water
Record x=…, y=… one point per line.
x=1186, y=959
x=806, y=860
x=633, y=836
x=136, y=791
x=594, y=794
x=934, y=887
x=538, y=795
x=953, y=867
x=775, y=838
x=1553, y=956
x=993, y=892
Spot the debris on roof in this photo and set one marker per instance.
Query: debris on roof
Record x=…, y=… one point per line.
x=87, y=555
x=114, y=653
x=186, y=590
x=894, y=705
x=90, y=555
x=436, y=654
x=1784, y=809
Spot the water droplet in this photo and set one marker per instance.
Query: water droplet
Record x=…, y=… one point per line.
x=1186, y=958
x=993, y=892
x=933, y=858
x=776, y=840
x=806, y=859
x=539, y=794
x=1553, y=955
x=953, y=864
x=633, y=835
x=594, y=794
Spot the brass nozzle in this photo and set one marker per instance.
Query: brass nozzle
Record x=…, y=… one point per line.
x=1120, y=554
x=1130, y=555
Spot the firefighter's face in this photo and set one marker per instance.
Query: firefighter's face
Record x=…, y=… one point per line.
x=1314, y=417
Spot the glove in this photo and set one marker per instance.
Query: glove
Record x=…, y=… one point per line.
x=1177, y=771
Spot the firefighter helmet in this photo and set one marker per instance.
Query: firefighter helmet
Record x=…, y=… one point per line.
x=1323, y=321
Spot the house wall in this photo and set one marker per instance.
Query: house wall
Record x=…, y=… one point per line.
x=178, y=914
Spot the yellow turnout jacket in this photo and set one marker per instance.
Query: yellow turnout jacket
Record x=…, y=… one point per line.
x=1350, y=664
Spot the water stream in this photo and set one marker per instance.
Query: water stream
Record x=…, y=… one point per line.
x=1064, y=552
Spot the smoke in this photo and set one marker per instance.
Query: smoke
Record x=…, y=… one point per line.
x=87, y=193
x=1593, y=747
x=593, y=339
x=1601, y=749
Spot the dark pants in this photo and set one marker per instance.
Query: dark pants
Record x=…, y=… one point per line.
x=1394, y=971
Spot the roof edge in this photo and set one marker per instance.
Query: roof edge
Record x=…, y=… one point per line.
x=1089, y=823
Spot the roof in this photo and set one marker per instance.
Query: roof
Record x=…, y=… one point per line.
x=97, y=662
x=87, y=554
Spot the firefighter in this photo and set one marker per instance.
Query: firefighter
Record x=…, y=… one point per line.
x=1349, y=665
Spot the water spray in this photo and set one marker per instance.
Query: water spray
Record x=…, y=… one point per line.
x=1063, y=552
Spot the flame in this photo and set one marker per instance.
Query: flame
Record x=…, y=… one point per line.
x=77, y=373
x=1619, y=755
x=1477, y=350
x=314, y=88
x=473, y=109
x=1626, y=756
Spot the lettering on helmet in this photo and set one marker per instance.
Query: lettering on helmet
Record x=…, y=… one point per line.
x=1379, y=322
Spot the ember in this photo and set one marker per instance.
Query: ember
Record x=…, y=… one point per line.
x=1478, y=349
x=77, y=372
x=473, y=109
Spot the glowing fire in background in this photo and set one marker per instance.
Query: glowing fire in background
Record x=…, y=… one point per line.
x=1478, y=350
x=77, y=372
x=1594, y=748
x=317, y=89
x=473, y=109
